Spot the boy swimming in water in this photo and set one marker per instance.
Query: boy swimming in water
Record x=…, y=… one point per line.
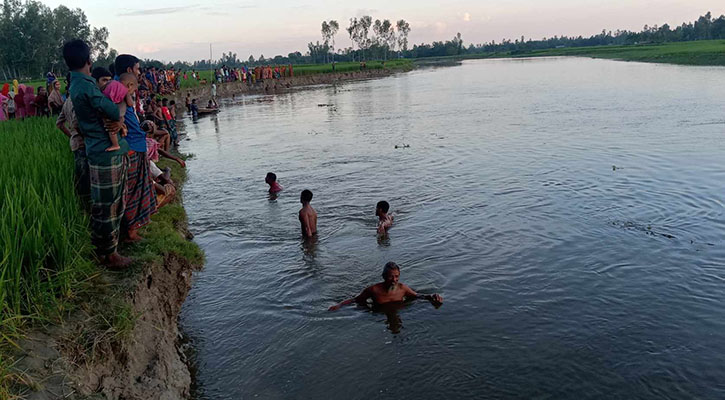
x=385, y=220
x=308, y=215
x=389, y=291
x=271, y=180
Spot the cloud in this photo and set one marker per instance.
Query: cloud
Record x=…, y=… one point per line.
x=146, y=49
x=224, y=10
x=361, y=12
x=154, y=11
x=467, y=17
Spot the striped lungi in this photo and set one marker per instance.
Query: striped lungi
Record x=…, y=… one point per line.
x=108, y=183
x=140, y=193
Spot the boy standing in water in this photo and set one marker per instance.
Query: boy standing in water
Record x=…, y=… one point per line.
x=271, y=180
x=308, y=216
x=385, y=221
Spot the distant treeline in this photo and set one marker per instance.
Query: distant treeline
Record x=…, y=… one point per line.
x=385, y=44
x=33, y=34
x=705, y=28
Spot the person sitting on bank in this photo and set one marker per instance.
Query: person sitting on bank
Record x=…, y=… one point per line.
x=308, y=215
x=271, y=180
x=385, y=220
x=389, y=291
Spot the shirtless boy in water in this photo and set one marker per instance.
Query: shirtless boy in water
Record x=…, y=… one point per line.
x=385, y=221
x=271, y=180
x=389, y=291
x=308, y=216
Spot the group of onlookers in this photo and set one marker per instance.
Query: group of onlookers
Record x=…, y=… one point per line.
x=116, y=128
x=253, y=75
x=18, y=101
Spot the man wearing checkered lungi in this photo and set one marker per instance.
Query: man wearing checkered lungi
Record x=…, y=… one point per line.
x=140, y=196
x=107, y=169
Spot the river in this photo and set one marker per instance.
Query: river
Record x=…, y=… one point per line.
x=570, y=211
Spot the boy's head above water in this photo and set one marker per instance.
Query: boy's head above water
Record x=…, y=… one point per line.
x=305, y=197
x=382, y=207
x=270, y=178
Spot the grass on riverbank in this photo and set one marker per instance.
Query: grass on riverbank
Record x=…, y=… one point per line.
x=44, y=239
x=47, y=270
x=702, y=52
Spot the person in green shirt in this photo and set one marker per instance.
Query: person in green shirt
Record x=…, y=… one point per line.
x=107, y=169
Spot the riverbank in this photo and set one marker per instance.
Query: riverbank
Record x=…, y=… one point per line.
x=202, y=92
x=116, y=334
x=703, y=53
x=97, y=332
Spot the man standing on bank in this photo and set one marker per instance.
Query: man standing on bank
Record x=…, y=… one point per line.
x=107, y=170
x=140, y=194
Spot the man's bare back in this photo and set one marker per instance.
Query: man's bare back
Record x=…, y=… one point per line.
x=308, y=221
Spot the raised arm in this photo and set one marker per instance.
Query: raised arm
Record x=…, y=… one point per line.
x=362, y=298
x=384, y=225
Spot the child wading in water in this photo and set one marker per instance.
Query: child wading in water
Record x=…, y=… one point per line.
x=121, y=93
x=308, y=216
x=271, y=180
x=385, y=220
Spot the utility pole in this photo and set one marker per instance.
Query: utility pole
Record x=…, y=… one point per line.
x=210, y=67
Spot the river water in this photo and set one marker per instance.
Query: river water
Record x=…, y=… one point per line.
x=570, y=211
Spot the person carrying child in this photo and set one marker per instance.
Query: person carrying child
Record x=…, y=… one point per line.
x=120, y=92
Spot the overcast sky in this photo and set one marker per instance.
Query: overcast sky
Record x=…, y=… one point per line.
x=183, y=29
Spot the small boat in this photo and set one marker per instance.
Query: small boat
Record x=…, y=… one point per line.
x=205, y=111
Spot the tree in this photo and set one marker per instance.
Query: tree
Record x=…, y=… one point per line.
x=353, y=30
x=325, y=35
x=334, y=28
x=99, y=42
x=33, y=35
x=403, y=31
x=363, y=31
x=389, y=37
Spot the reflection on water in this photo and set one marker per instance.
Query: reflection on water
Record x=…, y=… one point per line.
x=564, y=277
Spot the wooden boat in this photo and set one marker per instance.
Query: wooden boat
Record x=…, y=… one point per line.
x=206, y=111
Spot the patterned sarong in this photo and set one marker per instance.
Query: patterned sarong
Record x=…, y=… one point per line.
x=108, y=183
x=172, y=130
x=140, y=193
x=82, y=180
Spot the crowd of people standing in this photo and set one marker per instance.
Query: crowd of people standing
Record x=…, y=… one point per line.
x=116, y=129
x=18, y=101
x=252, y=75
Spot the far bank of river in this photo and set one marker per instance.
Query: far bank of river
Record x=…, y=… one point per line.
x=702, y=53
x=271, y=86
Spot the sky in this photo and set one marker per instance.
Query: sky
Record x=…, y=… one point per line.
x=183, y=29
